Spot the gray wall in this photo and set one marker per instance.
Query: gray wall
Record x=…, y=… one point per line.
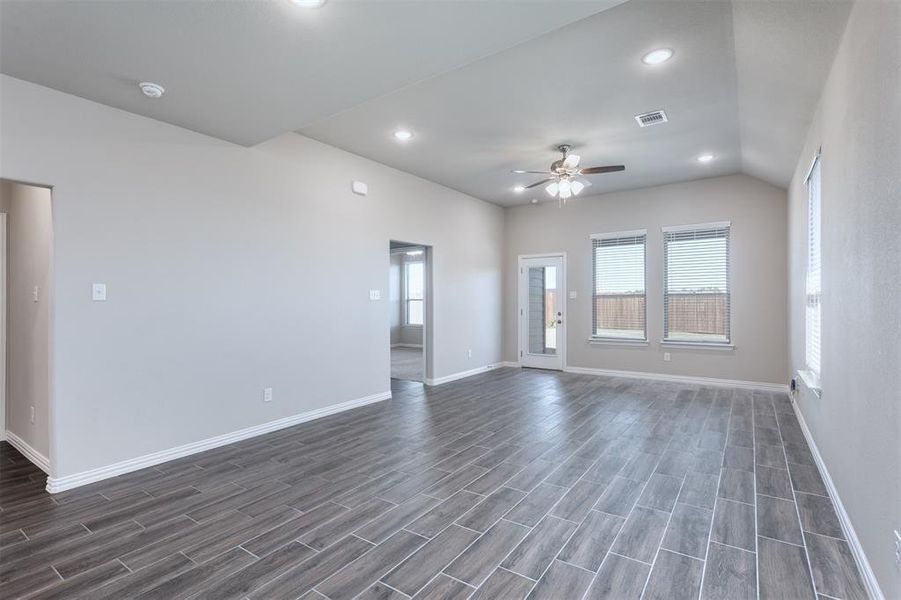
x=29, y=264
x=206, y=249
x=757, y=211
x=857, y=421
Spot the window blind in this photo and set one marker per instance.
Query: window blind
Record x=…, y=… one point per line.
x=814, y=278
x=696, y=292
x=619, y=309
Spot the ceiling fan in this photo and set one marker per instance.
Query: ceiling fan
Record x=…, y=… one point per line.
x=566, y=178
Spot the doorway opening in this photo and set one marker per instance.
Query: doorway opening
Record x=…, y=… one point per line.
x=26, y=313
x=542, y=302
x=409, y=276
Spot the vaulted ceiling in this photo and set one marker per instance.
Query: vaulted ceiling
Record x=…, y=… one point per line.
x=486, y=86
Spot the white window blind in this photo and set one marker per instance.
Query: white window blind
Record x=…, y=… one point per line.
x=413, y=292
x=696, y=292
x=619, y=309
x=814, y=278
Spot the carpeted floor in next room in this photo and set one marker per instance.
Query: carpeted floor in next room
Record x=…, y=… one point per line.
x=406, y=363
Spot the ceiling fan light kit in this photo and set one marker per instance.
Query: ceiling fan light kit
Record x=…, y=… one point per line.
x=565, y=177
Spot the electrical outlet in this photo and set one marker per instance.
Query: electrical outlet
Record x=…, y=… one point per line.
x=267, y=394
x=469, y=353
x=36, y=293
x=667, y=357
x=32, y=415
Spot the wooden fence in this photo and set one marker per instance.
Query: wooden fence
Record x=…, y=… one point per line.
x=691, y=313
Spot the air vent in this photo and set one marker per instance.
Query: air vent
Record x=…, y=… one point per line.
x=651, y=118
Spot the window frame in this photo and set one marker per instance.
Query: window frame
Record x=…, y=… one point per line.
x=729, y=343
x=613, y=235
x=811, y=372
x=406, y=292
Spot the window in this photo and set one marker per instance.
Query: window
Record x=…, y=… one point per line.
x=619, y=310
x=696, y=297
x=413, y=292
x=814, y=280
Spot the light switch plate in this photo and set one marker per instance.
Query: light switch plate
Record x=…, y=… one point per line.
x=572, y=295
x=375, y=295
x=98, y=292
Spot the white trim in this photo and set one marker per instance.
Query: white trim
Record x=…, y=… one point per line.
x=403, y=345
x=751, y=385
x=545, y=255
x=464, y=374
x=694, y=226
x=510, y=363
x=860, y=557
x=702, y=345
x=3, y=276
x=618, y=234
x=599, y=341
x=39, y=460
x=59, y=484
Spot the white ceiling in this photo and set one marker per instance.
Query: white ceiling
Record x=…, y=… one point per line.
x=486, y=85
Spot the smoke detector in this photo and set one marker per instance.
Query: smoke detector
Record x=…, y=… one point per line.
x=647, y=119
x=151, y=90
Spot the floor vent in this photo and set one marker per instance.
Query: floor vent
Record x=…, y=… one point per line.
x=651, y=118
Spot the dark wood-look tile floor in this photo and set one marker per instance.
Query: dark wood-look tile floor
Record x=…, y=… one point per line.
x=511, y=484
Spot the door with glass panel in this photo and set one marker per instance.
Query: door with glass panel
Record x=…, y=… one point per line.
x=542, y=336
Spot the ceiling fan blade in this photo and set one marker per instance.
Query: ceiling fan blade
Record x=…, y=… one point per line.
x=598, y=170
x=538, y=172
x=537, y=183
x=572, y=161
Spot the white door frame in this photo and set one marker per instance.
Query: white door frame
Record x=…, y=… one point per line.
x=2, y=326
x=427, y=312
x=564, y=294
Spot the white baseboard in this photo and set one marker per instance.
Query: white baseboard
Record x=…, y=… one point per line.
x=510, y=363
x=39, y=460
x=860, y=557
x=402, y=345
x=59, y=484
x=463, y=374
x=751, y=385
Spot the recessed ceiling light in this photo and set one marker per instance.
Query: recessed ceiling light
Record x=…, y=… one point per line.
x=655, y=57
x=706, y=158
x=534, y=200
x=519, y=189
x=151, y=90
x=309, y=3
x=403, y=135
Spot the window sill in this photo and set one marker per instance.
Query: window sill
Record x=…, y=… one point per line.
x=411, y=326
x=616, y=342
x=811, y=382
x=702, y=345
